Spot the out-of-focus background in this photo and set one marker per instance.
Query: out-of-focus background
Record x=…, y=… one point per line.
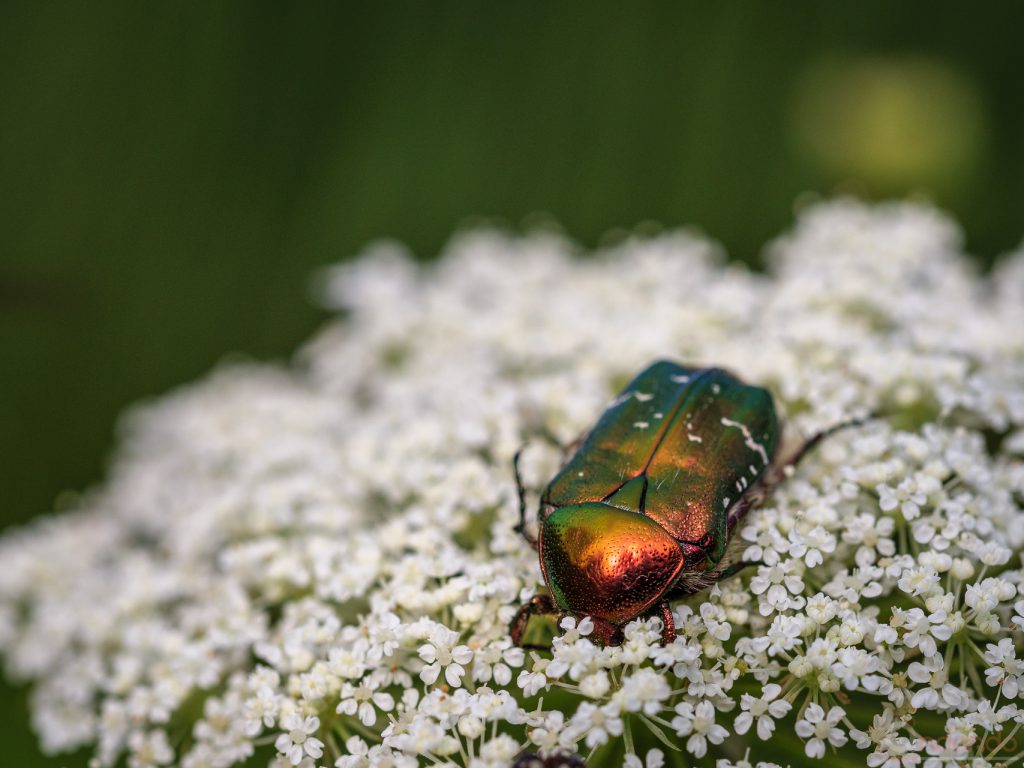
x=172, y=174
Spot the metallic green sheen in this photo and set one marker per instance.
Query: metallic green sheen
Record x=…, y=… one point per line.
x=607, y=562
x=679, y=446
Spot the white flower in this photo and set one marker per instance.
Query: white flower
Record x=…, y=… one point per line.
x=812, y=546
x=644, y=691
x=766, y=709
x=920, y=580
x=594, y=724
x=364, y=699
x=783, y=634
x=550, y=734
x=821, y=609
x=899, y=752
x=149, y=750
x=595, y=685
x=905, y=496
x=988, y=594
x=1006, y=671
x=938, y=693
x=358, y=754
x=261, y=710
x=499, y=751
x=298, y=740
x=442, y=653
x=816, y=727
x=874, y=535
x=883, y=728
x=990, y=718
x=496, y=661
x=655, y=759
x=532, y=681
x=574, y=630
x=698, y=722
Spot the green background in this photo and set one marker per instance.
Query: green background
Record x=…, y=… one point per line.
x=172, y=174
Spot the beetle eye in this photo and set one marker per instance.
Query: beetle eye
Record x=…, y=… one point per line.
x=603, y=561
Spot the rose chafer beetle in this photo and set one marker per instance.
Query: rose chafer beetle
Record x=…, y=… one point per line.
x=642, y=511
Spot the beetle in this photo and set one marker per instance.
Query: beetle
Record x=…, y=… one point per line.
x=642, y=511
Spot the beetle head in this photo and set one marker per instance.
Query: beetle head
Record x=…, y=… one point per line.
x=607, y=562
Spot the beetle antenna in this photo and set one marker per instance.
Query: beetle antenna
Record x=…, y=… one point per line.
x=521, y=489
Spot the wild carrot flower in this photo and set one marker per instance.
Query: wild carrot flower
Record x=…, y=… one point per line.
x=315, y=564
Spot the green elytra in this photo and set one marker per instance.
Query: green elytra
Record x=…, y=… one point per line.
x=642, y=511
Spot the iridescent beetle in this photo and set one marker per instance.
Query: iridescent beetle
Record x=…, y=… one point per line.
x=643, y=510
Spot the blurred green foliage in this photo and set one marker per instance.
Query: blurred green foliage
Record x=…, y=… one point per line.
x=173, y=173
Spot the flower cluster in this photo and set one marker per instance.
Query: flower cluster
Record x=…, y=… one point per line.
x=316, y=565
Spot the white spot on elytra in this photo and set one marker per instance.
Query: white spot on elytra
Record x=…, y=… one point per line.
x=641, y=424
x=679, y=378
x=695, y=438
x=747, y=438
x=619, y=400
x=715, y=388
x=643, y=397
x=659, y=415
x=753, y=469
x=725, y=501
x=579, y=474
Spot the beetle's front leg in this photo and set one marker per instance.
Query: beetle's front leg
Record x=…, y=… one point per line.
x=609, y=634
x=567, y=449
x=521, y=489
x=538, y=605
x=668, y=623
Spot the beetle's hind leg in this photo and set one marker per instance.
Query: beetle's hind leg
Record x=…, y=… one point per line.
x=538, y=605
x=812, y=442
x=753, y=497
x=783, y=467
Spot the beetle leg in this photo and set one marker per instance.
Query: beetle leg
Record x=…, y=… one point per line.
x=521, y=528
x=739, y=511
x=567, y=449
x=776, y=474
x=817, y=437
x=668, y=623
x=538, y=605
x=779, y=471
x=735, y=568
x=570, y=449
x=606, y=632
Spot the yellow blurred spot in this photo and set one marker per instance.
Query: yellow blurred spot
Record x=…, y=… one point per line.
x=890, y=125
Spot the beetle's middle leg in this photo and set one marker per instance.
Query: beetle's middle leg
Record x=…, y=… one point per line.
x=538, y=605
x=567, y=452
